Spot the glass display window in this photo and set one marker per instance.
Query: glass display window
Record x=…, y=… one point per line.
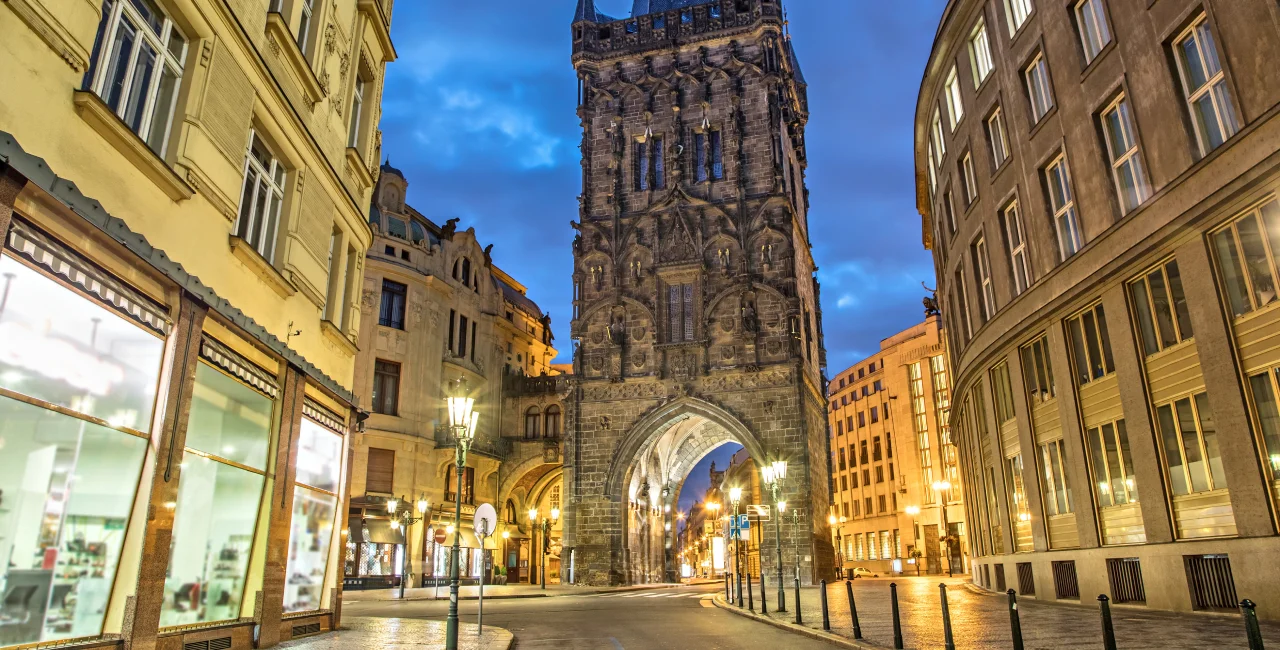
x=315, y=507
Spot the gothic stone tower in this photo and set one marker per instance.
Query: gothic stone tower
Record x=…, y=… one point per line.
x=696, y=311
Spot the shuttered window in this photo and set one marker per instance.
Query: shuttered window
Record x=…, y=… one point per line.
x=680, y=312
x=381, y=470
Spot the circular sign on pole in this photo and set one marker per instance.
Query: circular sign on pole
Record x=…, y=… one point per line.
x=439, y=535
x=486, y=520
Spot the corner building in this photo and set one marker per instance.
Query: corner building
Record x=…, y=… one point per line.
x=1098, y=184
x=696, y=316
x=183, y=189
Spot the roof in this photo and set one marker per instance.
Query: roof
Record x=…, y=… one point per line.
x=387, y=168
x=521, y=301
x=795, y=63
x=646, y=7
x=587, y=11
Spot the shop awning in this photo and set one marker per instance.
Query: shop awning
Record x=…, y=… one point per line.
x=380, y=532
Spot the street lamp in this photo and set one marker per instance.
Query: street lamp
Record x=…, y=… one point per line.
x=943, y=488
x=914, y=511
x=546, y=539
x=401, y=520
x=735, y=497
x=462, y=422
x=774, y=475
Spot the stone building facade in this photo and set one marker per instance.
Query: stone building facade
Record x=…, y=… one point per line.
x=1098, y=182
x=696, y=314
x=183, y=187
x=890, y=444
x=436, y=309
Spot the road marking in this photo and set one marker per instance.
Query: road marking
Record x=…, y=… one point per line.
x=615, y=643
x=635, y=595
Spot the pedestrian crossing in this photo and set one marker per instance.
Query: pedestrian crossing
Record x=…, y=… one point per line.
x=656, y=594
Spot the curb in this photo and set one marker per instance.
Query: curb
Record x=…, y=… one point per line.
x=592, y=592
x=833, y=639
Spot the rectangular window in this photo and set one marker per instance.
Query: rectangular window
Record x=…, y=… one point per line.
x=1057, y=178
x=955, y=105
x=844, y=483
x=357, y=113
x=877, y=452
x=875, y=416
x=982, y=268
x=315, y=509
x=998, y=138
x=380, y=471
x=137, y=67
x=862, y=452
x=970, y=179
x=1190, y=444
x=1037, y=371
x=1002, y=391
x=261, y=198
x=640, y=164
x=880, y=475
x=1017, y=492
x=1090, y=345
x=962, y=302
x=659, y=164
x=882, y=502
x=1038, y=89
x=1246, y=253
x=1092, y=23
x=680, y=313
x=862, y=419
x=386, y=387
x=950, y=206
x=939, y=138
x=1112, y=464
x=1018, y=11
x=843, y=465
x=1122, y=147
x=1016, y=240
x=1057, y=494
x=980, y=54
x=700, y=156
x=304, y=24
x=391, y=313
x=853, y=479
x=463, y=321
x=468, y=485
x=717, y=156
x=1205, y=86
x=1264, y=389
x=1160, y=308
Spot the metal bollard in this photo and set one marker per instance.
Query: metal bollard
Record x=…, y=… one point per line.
x=1108, y=631
x=853, y=610
x=728, y=589
x=826, y=618
x=948, y=640
x=739, y=591
x=1249, y=609
x=798, y=619
x=897, y=623
x=1015, y=624
x=751, y=594
x=764, y=607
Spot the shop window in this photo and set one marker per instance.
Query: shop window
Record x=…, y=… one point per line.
x=315, y=507
x=1189, y=439
x=1112, y=464
x=137, y=68
x=1246, y=253
x=218, y=497
x=261, y=198
x=1160, y=308
x=1090, y=345
x=1037, y=371
x=386, y=387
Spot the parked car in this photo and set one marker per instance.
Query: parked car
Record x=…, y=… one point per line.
x=863, y=572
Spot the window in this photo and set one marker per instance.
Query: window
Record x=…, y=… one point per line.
x=717, y=156
x=1246, y=253
x=468, y=485
x=970, y=180
x=1092, y=23
x=1190, y=441
x=1122, y=146
x=386, y=387
x=881, y=500
x=1038, y=90
x=511, y=513
x=844, y=483
x=853, y=479
x=380, y=471
x=1018, y=11
x=1057, y=494
x=315, y=509
x=680, y=313
x=933, y=173
x=357, y=112
x=843, y=462
x=949, y=205
x=1112, y=464
x=1264, y=389
x=304, y=24
x=261, y=198
x=1037, y=371
x=839, y=428
x=982, y=268
x=848, y=423
x=862, y=419
x=391, y=313
x=532, y=423
x=875, y=415
x=1160, y=308
x=998, y=138
x=1002, y=391
x=955, y=106
x=137, y=68
x=980, y=54
x=1061, y=200
x=1090, y=345
x=1019, y=511
x=962, y=303
x=862, y=452
x=552, y=428
x=700, y=154
x=1205, y=86
x=938, y=139
x=1016, y=239
x=877, y=452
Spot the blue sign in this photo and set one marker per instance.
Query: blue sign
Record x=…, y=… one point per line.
x=744, y=523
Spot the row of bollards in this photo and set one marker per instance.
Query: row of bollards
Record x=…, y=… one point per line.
x=1247, y=608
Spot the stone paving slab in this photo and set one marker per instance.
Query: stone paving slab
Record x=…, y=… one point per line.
x=980, y=620
x=360, y=633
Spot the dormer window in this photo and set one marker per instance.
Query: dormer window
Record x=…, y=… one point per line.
x=397, y=228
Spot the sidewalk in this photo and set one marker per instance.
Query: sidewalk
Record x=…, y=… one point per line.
x=491, y=591
x=404, y=633
x=980, y=621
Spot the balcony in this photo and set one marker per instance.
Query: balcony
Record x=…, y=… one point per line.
x=496, y=448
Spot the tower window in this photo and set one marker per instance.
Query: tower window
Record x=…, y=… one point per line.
x=700, y=151
x=680, y=312
x=717, y=156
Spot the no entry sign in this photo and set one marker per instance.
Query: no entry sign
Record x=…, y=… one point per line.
x=439, y=536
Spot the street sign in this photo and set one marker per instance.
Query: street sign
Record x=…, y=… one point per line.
x=761, y=511
x=744, y=523
x=486, y=520
x=439, y=536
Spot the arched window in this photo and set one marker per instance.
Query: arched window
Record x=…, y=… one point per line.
x=511, y=512
x=532, y=418
x=552, y=429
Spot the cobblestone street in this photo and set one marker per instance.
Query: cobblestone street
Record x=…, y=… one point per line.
x=980, y=621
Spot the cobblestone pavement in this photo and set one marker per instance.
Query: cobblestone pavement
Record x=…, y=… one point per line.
x=401, y=633
x=980, y=621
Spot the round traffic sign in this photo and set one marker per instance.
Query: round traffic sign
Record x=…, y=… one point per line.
x=439, y=536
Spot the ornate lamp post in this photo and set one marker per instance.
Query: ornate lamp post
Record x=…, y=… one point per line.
x=401, y=520
x=462, y=421
x=735, y=497
x=774, y=475
x=943, y=488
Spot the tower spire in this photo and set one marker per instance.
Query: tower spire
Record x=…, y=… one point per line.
x=586, y=12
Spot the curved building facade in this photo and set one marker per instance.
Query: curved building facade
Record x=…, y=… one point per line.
x=1098, y=182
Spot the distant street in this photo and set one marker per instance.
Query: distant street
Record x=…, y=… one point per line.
x=681, y=617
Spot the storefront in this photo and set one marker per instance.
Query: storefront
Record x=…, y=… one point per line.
x=375, y=550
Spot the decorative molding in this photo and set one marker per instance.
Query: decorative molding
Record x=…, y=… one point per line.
x=205, y=187
x=259, y=265
x=51, y=31
x=286, y=48
x=128, y=144
x=356, y=167
x=381, y=28
x=333, y=333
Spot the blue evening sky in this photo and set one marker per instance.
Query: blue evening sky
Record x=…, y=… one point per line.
x=479, y=112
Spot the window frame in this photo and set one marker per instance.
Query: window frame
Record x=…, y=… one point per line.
x=1019, y=254
x=982, y=268
x=1258, y=213
x=355, y=131
x=1055, y=478
x=970, y=178
x=1080, y=347
x=981, y=60
x=1064, y=215
x=393, y=289
x=276, y=177
x=1196, y=403
x=996, y=133
x=1130, y=157
x=1096, y=40
x=1146, y=319
x=1040, y=65
x=1011, y=7
x=1224, y=109
x=955, y=102
x=1037, y=371
x=380, y=402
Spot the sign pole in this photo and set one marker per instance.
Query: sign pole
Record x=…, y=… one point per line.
x=482, y=533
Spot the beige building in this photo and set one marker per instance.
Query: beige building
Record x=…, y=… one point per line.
x=895, y=474
x=182, y=208
x=436, y=310
x=1098, y=182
